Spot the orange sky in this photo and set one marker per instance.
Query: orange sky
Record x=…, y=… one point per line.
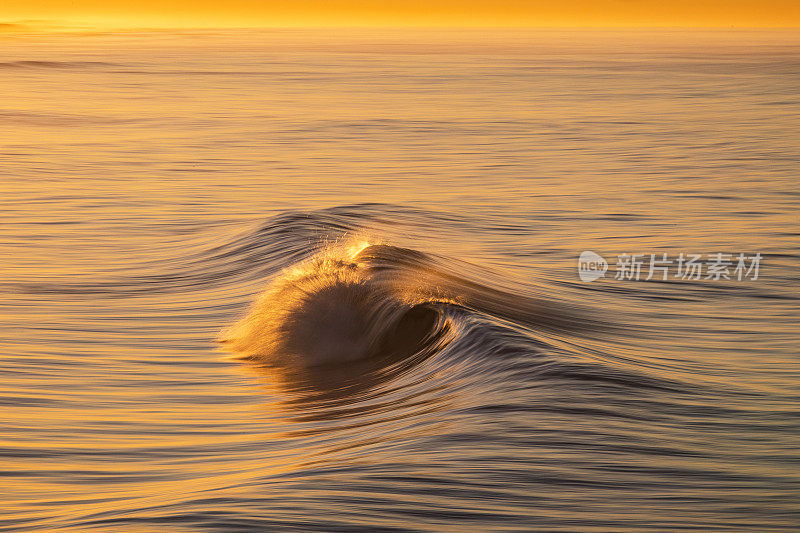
x=249, y=13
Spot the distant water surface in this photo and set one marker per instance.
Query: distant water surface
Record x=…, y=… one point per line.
x=417, y=202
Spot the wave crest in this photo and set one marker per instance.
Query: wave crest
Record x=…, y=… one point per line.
x=338, y=307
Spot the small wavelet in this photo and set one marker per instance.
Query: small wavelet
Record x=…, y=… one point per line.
x=39, y=64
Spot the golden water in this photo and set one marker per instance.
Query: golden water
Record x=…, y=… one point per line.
x=153, y=184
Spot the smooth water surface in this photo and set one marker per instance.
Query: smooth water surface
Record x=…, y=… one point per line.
x=414, y=205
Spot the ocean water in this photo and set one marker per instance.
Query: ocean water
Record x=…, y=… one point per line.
x=328, y=281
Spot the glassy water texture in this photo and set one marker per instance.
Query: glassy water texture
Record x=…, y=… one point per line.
x=435, y=190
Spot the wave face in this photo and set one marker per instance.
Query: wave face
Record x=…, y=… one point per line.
x=335, y=309
x=353, y=302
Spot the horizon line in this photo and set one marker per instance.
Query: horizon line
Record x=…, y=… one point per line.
x=47, y=26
